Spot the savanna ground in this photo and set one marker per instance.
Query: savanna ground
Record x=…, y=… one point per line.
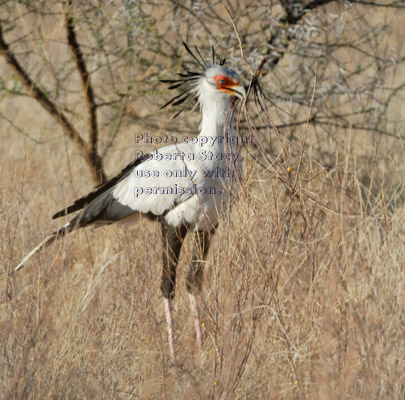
x=304, y=285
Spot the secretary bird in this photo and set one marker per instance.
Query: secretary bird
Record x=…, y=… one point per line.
x=192, y=203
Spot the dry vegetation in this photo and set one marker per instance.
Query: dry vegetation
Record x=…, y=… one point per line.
x=304, y=288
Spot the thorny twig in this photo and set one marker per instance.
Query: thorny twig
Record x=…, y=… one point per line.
x=254, y=84
x=239, y=39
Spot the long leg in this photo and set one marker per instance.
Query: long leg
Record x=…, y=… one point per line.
x=172, y=241
x=195, y=275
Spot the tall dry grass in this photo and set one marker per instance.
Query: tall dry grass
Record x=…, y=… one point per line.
x=298, y=301
x=303, y=296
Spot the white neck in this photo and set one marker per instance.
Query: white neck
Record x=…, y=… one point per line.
x=216, y=119
x=214, y=108
x=214, y=114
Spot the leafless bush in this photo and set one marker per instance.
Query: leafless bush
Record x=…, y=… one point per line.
x=304, y=284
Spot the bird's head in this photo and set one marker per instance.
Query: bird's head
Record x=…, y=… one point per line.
x=214, y=83
x=222, y=81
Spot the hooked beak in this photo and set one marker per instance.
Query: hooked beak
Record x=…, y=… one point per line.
x=240, y=92
x=236, y=90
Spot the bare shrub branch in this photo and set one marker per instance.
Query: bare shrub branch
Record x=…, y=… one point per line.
x=91, y=157
x=85, y=78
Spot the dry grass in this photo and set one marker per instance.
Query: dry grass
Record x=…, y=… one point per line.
x=299, y=302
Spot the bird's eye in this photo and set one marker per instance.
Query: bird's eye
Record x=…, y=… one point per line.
x=221, y=81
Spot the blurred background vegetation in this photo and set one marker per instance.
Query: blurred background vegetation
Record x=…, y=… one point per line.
x=80, y=79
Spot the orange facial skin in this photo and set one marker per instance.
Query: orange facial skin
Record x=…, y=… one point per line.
x=225, y=83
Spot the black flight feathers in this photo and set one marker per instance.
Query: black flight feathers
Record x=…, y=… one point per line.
x=85, y=200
